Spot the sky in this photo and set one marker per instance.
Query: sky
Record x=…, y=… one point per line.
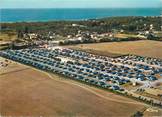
x=80, y=3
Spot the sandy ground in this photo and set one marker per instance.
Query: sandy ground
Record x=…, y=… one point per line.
x=25, y=91
x=142, y=48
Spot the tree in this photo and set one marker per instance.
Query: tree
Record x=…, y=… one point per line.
x=132, y=28
x=26, y=30
x=61, y=43
x=19, y=34
x=11, y=46
x=138, y=114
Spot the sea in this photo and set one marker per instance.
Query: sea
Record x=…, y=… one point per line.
x=51, y=14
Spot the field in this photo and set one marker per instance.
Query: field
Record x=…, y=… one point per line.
x=7, y=36
x=143, y=48
x=25, y=91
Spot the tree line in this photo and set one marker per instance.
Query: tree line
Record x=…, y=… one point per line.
x=64, y=28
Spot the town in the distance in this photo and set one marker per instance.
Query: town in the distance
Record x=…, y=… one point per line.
x=117, y=57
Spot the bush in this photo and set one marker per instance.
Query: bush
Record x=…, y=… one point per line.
x=138, y=114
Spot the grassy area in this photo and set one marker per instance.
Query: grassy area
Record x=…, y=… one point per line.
x=101, y=53
x=3, y=47
x=142, y=48
x=8, y=36
x=119, y=35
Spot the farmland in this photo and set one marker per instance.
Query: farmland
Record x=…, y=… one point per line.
x=27, y=91
x=142, y=48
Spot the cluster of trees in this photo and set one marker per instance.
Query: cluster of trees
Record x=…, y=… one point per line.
x=106, y=39
x=20, y=33
x=64, y=28
x=138, y=114
x=143, y=99
x=152, y=37
x=70, y=42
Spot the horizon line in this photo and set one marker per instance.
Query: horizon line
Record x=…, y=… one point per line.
x=81, y=8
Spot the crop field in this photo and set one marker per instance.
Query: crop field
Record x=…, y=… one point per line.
x=25, y=91
x=142, y=48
